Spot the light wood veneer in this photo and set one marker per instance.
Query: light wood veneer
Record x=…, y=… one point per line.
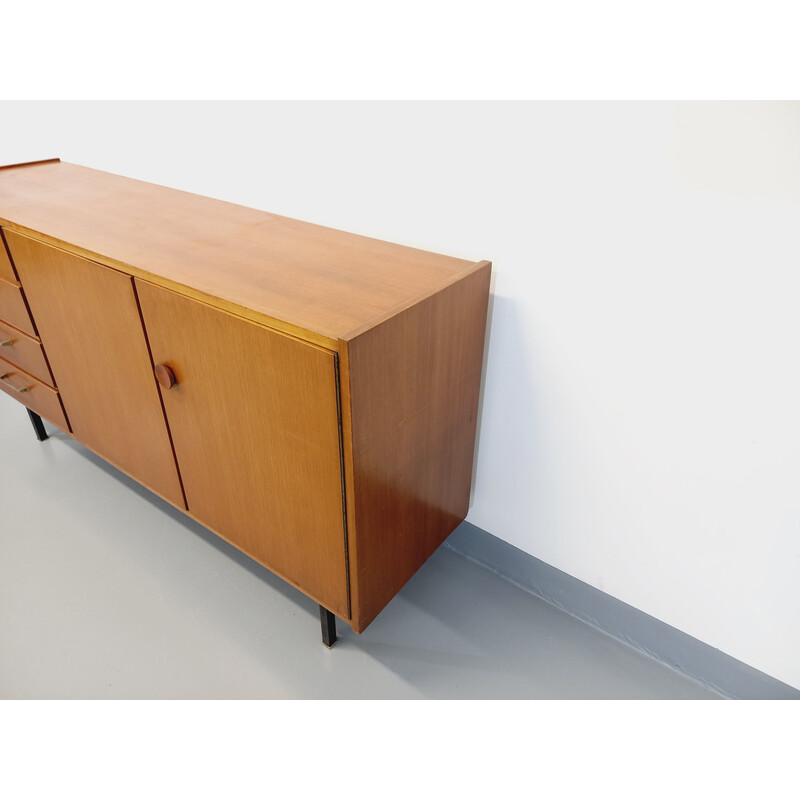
x=301, y=278
x=13, y=308
x=309, y=395
x=6, y=269
x=264, y=470
x=32, y=393
x=24, y=351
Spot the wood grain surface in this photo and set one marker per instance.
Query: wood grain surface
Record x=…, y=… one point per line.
x=323, y=387
x=25, y=352
x=6, y=270
x=254, y=422
x=92, y=332
x=410, y=390
x=39, y=397
x=314, y=282
x=13, y=308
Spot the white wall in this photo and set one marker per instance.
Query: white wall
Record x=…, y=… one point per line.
x=641, y=412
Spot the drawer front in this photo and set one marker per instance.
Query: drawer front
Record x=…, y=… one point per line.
x=13, y=309
x=6, y=270
x=24, y=352
x=34, y=394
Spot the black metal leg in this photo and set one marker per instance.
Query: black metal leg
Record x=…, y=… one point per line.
x=38, y=426
x=328, y=621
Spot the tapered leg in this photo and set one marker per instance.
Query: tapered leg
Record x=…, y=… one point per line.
x=328, y=621
x=38, y=426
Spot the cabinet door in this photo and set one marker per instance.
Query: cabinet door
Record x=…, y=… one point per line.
x=6, y=270
x=91, y=330
x=254, y=421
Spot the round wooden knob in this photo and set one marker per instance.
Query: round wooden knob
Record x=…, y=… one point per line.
x=165, y=376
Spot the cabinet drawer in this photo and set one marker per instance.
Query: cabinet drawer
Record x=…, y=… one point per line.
x=34, y=394
x=24, y=352
x=6, y=270
x=13, y=309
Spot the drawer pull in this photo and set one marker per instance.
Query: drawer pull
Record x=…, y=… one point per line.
x=4, y=379
x=7, y=343
x=165, y=376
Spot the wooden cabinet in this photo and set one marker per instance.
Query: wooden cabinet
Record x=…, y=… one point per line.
x=309, y=395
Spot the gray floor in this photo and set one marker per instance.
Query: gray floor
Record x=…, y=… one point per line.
x=108, y=592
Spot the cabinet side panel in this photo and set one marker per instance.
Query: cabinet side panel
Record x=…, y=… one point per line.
x=254, y=421
x=92, y=333
x=413, y=383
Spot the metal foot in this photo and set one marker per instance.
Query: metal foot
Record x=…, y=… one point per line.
x=38, y=426
x=328, y=621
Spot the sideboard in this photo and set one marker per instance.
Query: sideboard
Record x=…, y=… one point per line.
x=309, y=395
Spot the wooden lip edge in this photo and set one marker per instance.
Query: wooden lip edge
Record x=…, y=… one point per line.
x=398, y=309
x=31, y=163
x=278, y=326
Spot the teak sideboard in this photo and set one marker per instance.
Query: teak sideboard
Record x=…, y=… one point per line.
x=309, y=395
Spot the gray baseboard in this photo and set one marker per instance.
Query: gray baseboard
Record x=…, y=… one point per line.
x=711, y=667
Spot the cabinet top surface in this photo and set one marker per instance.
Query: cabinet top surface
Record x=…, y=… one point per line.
x=317, y=282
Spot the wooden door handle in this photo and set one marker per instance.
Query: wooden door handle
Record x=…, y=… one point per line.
x=4, y=379
x=165, y=376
